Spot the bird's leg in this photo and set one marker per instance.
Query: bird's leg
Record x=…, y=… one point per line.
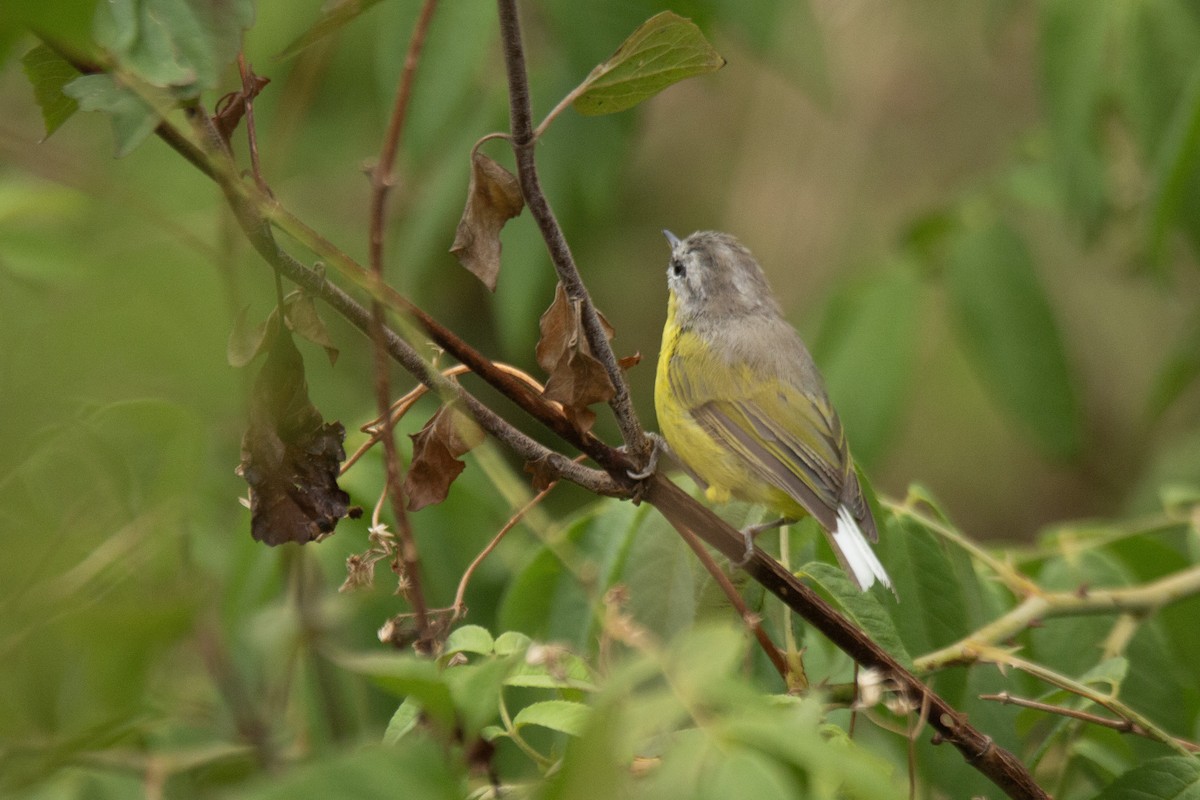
x=750, y=532
x=658, y=446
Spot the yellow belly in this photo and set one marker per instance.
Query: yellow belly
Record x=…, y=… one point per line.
x=727, y=474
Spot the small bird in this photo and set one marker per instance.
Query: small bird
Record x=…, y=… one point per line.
x=743, y=407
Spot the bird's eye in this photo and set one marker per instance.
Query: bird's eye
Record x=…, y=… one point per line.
x=677, y=268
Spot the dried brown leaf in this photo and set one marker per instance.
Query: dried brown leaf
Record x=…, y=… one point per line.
x=436, y=448
x=290, y=455
x=493, y=198
x=577, y=379
x=542, y=473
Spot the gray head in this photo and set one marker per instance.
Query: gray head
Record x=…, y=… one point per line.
x=714, y=278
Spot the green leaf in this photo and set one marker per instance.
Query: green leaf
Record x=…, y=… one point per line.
x=511, y=642
x=408, y=677
x=664, y=50
x=1169, y=778
x=470, y=639
x=334, y=16
x=866, y=352
x=132, y=118
x=475, y=689
x=746, y=772
x=421, y=767
x=550, y=667
x=595, y=764
x=933, y=610
x=1007, y=328
x=557, y=715
x=1074, y=78
x=48, y=73
x=863, y=608
x=403, y=721
x=181, y=45
x=1175, y=171
x=1178, y=373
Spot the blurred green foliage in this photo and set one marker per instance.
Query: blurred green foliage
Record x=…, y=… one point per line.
x=986, y=220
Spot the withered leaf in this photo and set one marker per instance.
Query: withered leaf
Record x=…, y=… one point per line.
x=301, y=314
x=629, y=362
x=493, y=198
x=577, y=379
x=246, y=341
x=436, y=448
x=542, y=473
x=290, y=455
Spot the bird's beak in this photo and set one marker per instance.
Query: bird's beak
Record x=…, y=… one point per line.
x=671, y=238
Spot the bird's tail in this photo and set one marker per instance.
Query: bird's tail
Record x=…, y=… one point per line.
x=856, y=553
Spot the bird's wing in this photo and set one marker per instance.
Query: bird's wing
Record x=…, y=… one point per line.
x=788, y=437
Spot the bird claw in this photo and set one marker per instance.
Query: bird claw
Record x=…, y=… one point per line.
x=751, y=531
x=658, y=445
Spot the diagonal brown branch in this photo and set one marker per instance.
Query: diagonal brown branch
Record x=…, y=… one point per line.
x=999, y=765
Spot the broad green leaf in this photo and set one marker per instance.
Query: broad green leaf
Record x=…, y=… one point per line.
x=132, y=118
x=1073, y=645
x=557, y=715
x=180, y=45
x=926, y=579
x=1176, y=171
x=866, y=352
x=408, y=677
x=666, y=49
x=550, y=667
x=470, y=639
x=596, y=763
x=546, y=599
x=419, y=766
x=865, y=609
x=1169, y=778
x=334, y=16
x=511, y=642
x=1179, y=371
x=1005, y=323
x=48, y=73
x=407, y=715
x=475, y=689
x=1074, y=81
x=746, y=772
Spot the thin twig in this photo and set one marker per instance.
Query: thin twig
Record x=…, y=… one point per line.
x=459, y=607
x=1143, y=599
x=752, y=620
x=1121, y=725
x=401, y=406
x=381, y=182
x=1002, y=657
x=521, y=123
x=248, y=92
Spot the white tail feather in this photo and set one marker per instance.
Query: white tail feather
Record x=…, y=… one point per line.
x=856, y=550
